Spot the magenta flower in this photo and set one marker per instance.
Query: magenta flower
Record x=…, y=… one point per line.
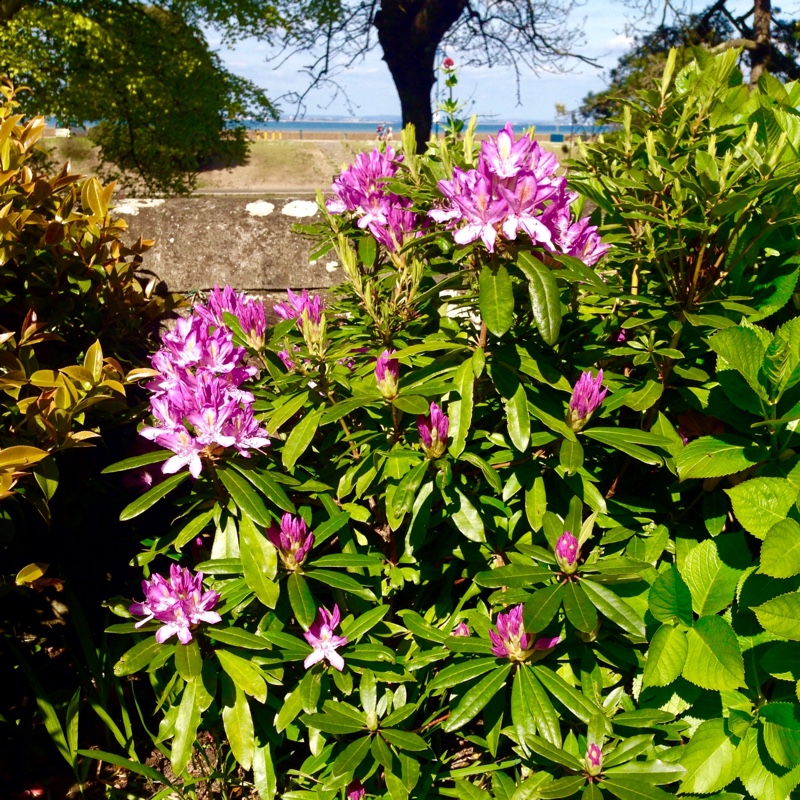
x=433, y=432
x=511, y=641
x=448, y=63
x=587, y=395
x=299, y=304
x=594, y=759
x=292, y=540
x=249, y=311
x=355, y=790
x=360, y=190
x=567, y=551
x=324, y=641
x=198, y=405
x=462, y=629
x=515, y=189
x=179, y=603
x=546, y=643
x=387, y=372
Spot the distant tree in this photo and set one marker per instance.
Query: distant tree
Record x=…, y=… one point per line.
x=162, y=103
x=768, y=42
x=519, y=33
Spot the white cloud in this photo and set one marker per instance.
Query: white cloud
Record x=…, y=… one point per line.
x=620, y=42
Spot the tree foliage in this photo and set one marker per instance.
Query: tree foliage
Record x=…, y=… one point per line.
x=161, y=103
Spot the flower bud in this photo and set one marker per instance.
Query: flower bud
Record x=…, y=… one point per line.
x=461, y=629
x=355, y=790
x=433, y=431
x=387, y=372
x=567, y=551
x=292, y=541
x=594, y=760
x=587, y=395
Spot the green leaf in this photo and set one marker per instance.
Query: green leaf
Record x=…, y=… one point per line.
x=259, y=563
x=580, y=705
x=456, y=674
x=300, y=438
x=714, y=660
x=632, y=789
x=519, y=421
x=188, y=660
x=782, y=732
x=139, y=656
x=513, y=575
x=666, y=656
x=460, y=411
x=545, y=298
x=625, y=440
x=765, y=781
x=468, y=520
x=407, y=489
x=614, y=608
x=349, y=759
x=562, y=787
x=404, y=740
x=474, y=700
x=711, y=582
x=469, y=791
x=570, y=456
x=414, y=404
x=152, y=496
x=670, y=599
x=334, y=722
x=238, y=723
x=247, y=500
x=236, y=637
x=712, y=759
x=716, y=456
x=128, y=765
x=781, y=616
x=496, y=298
x=541, y=607
x=291, y=707
x=264, y=776
x=301, y=601
x=554, y=753
x=363, y=623
x=340, y=580
x=285, y=412
x=760, y=503
x=186, y=722
x=244, y=674
x=743, y=350
x=780, y=552
x=192, y=529
x=578, y=607
x=531, y=709
x=154, y=457
x=267, y=485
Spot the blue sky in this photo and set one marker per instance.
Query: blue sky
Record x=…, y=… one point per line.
x=491, y=92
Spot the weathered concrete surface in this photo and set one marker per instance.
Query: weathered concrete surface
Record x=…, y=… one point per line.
x=246, y=242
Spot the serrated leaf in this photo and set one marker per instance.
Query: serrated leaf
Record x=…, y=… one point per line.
x=716, y=456
x=760, y=503
x=781, y=616
x=711, y=582
x=780, y=552
x=712, y=758
x=666, y=656
x=714, y=660
x=669, y=599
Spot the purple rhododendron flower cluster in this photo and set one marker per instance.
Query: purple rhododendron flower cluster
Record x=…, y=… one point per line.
x=587, y=396
x=292, y=540
x=247, y=310
x=513, y=189
x=180, y=603
x=361, y=190
x=433, y=431
x=511, y=641
x=197, y=401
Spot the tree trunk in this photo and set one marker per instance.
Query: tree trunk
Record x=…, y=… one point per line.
x=760, y=55
x=409, y=32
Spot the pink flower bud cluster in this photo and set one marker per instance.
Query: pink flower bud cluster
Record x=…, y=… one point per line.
x=587, y=396
x=180, y=603
x=361, y=190
x=325, y=642
x=511, y=641
x=247, y=310
x=515, y=189
x=594, y=759
x=433, y=431
x=567, y=551
x=355, y=790
x=292, y=540
x=197, y=402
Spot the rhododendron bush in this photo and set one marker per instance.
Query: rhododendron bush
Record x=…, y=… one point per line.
x=513, y=512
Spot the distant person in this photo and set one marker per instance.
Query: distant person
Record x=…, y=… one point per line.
x=379, y=132
x=388, y=137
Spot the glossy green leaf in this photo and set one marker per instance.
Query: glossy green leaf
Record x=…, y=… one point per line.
x=341, y=580
x=245, y=675
x=349, y=759
x=670, y=599
x=460, y=411
x=579, y=608
x=238, y=722
x=151, y=497
x=404, y=740
x=545, y=298
x=300, y=438
x=531, y=709
x=542, y=606
x=266, y=484
x=236, y=637
x=247, y=499
x=781, y=616
x=188, y=661
x=259, y=562
x=496, y=298
x=467, y=520
x=139, y=656
x=301, y=601
x=711, y=582
x=715, y=457
x=186, y=723
x=614, y=608
x=408, y=488
x=476, y=698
